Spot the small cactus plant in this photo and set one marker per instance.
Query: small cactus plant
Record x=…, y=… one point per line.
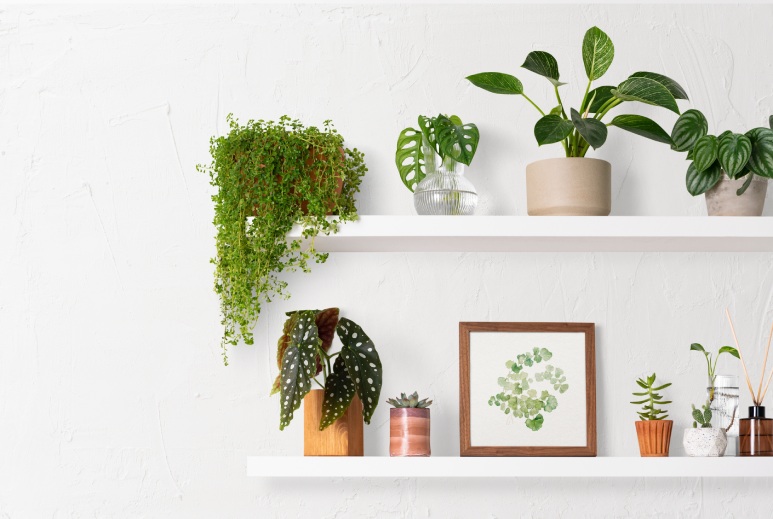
x=409, y=401
x=652, y=398
x=701, y=417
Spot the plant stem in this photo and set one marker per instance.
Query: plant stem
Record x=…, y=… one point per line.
x=317, y=381
x=607, y=107
x=533, y=104
x=585, y=97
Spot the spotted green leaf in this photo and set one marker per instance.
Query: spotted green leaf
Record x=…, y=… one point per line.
x=552, y=128
x=597, y=53
x=705, y=152
x=691, y=126
x=641, y=125
x=544, y=64
x=409, y=158
x=733, y=152
x=699, y=183
x=298, y=362
x=592, y=130
x=339, y=391
x=362, y=363
x=761, y=160
x=646, y=90
x=497, y=83
x=455, y=139
x=675, y=88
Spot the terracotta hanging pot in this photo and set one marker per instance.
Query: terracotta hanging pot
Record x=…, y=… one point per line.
x=654, y=437
x=409, y=431
x=343, y=438
x=569, y=187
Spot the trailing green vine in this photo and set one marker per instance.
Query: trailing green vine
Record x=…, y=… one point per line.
x=269, y=176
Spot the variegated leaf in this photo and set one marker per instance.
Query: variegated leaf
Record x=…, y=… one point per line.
x=339, y=391
x=646, y=90
x=761, y=160
x=597, y=53
x=544, y=64
x=298, y=362
x=705, y=152
x=691, y=126
x=362, y=363
x=733, y=152
x=699, y=183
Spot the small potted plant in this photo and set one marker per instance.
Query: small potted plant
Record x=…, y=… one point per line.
x=576, y=185
x=409, y=426
x=705, y=440
x=712, y=366
x=431, y=163
x=350, y=387
x=653, y=430
x=268, y=177
x=732, y=169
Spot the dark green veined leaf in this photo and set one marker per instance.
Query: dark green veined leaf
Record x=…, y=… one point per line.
x=726, y=132
x=362, y=363
x=552, y=128
x=675, y=88
x=705, y=152
x=641, y=125
x=733, y=152
x=741, y=190
x=598, y=96
x=409, y=158
x=497, y=83
x=691, y=126
x=761, y=160
x=697, y=347
x=458, y=141
x=544, y=64
x=597, y=53
x=592, y=130
x=339, y=391
x=770, y=122
x=297, y=365
x=427, y=125
x=699, y=183
x=690, y=154
x=646, y=90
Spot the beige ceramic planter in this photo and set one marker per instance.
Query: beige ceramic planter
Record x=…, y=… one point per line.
x=721, y=199
x=569, y=187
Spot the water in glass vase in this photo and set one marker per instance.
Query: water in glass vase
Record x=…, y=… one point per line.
x=444, y=191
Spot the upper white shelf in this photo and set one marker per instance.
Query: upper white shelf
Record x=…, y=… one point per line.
x=550, y=234
x=453, y=467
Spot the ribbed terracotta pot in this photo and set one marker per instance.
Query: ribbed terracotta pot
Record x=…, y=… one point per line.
x=654, y=437
x=342, y=438
x=721, y=200
x=569, y=187
x=409, y=432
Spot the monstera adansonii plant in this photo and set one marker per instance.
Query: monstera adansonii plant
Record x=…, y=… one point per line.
x=303, y=353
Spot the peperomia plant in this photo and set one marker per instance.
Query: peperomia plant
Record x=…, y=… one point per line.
x=303, y=352
x=580, y=129
x=651, y=399
x=736, y=154
x=448, y=137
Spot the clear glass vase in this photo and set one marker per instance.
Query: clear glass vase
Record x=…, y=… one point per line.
x=444, y=191
x=723, y=396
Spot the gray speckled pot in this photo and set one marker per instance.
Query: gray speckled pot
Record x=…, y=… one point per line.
x=721, y=199
x=705, y=441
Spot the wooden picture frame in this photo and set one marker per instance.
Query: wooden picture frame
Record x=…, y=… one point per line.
x=489, y=345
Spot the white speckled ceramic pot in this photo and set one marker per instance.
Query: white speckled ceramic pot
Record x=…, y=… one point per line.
x=705, y=441
x=721, y=199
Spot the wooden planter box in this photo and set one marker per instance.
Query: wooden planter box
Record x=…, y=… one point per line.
x=342, y=438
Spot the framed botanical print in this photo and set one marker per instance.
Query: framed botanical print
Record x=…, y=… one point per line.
x=527, y=389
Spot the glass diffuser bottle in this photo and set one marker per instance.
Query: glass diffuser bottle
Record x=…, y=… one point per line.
x=756, y=433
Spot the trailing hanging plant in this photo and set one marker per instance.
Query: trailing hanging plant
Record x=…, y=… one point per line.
x=578, y=130
x=280, y=173
x=448, y=137
x=303, y=353
x=736, y=154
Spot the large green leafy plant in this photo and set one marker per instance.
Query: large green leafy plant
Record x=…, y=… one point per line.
x=269, y=176
x=578, y=130
x=448, y=137
x=736, y=154
x=303, y=353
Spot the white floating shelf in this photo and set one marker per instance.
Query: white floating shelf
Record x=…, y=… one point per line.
x=473, y=467
x=549, y=234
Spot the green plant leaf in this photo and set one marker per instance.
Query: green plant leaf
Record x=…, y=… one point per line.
x=598, y=96
x=733, y=153
x=728, y=349
x=705, y=152
x=748, y=182
x=597, y=53
x=409, y=158
x=497, y=83
x=592, y=130
x=761, y=160
x=458, y=141
x=362, y=363
x=699, y=183
x=552, y=128
x=427, y=126
x=339, y=391
x=675, y=88
x=646, y=90
x=297, y=365
x=641, y=125
x=535, y=424
x=697, y=347
x=707, y=415
x=770, y=122
x=697, y=416
x=691, y=126
x=544, y=64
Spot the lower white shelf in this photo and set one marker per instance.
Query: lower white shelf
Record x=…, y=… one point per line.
x=475, y=467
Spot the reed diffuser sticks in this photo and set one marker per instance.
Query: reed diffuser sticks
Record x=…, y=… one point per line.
x=760, y=394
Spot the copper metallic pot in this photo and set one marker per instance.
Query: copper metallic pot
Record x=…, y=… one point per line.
x=409, y=432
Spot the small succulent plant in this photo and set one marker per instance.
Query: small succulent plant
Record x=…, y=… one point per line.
x=702, y=417
x=651, y=399
x=409, y=401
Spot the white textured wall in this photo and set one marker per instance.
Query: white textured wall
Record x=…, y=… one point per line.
x=113, y=400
